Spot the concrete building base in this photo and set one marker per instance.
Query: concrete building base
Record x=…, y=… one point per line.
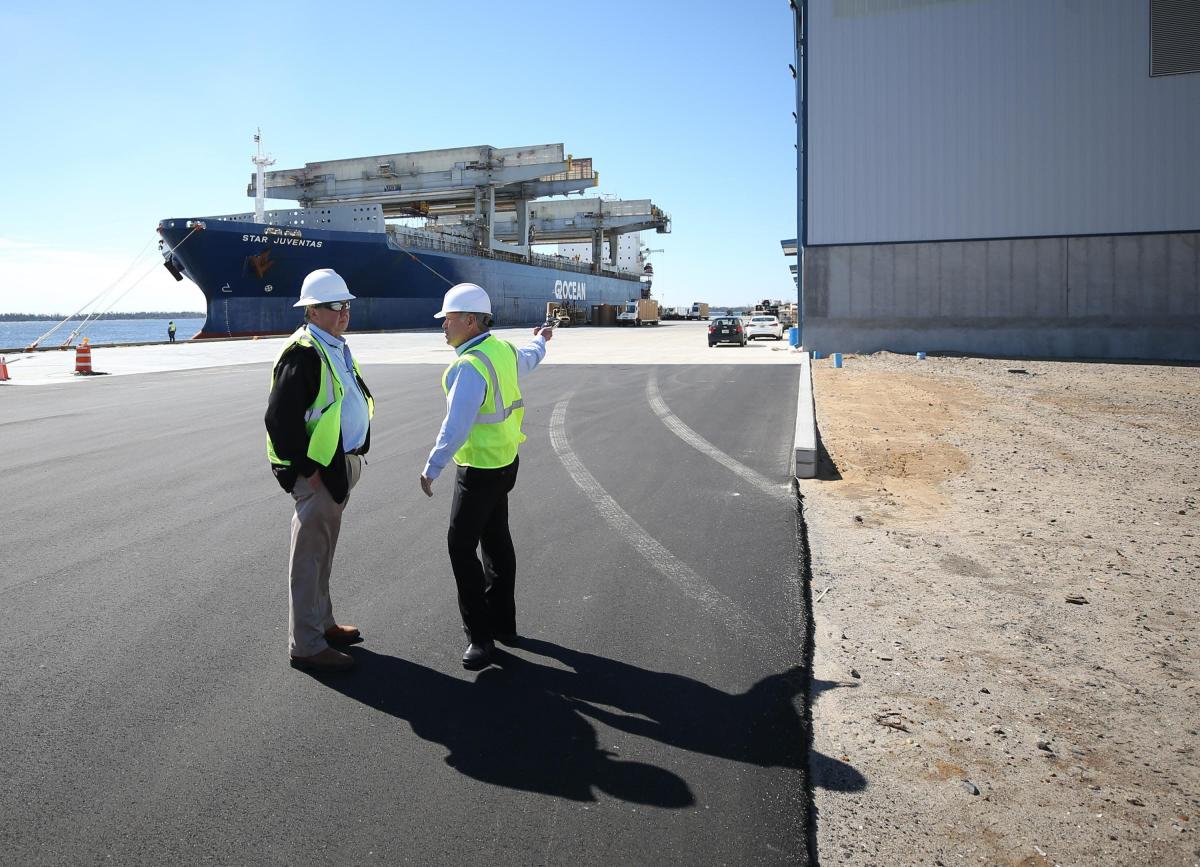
x=1157, y=342
x=1111, y=297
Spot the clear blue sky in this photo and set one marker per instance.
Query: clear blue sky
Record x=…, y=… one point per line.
x=117, y=115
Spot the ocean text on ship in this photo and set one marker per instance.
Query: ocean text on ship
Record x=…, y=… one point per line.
x=572, y=290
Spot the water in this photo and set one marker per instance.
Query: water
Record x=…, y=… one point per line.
x=18, y=335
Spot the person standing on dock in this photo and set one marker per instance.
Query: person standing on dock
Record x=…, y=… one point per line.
x=481, y=432
x=171, y=331
x=318, y=427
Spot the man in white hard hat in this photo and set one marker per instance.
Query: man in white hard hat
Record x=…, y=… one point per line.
x=318, y=427
x=481, y=432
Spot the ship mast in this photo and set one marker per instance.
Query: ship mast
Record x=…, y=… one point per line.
x=260, y=162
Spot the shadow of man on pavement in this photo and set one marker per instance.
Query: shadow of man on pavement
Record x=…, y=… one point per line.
x=761, y=726
x=525, y=725
x=508, y=729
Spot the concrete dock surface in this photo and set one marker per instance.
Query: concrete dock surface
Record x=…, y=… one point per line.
x=668, y=343
x=997, y=562
x=655, y=711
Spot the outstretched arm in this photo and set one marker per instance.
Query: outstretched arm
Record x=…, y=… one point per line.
x=531, y=354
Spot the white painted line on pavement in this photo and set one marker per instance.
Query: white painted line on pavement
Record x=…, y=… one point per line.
x=663, y=561
x=778, y=490
x=792, y=588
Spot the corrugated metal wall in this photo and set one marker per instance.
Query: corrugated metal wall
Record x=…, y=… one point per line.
x=963, y=119
x=1103, y=279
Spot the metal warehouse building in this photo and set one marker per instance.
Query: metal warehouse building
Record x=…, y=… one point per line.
x=1006, y=177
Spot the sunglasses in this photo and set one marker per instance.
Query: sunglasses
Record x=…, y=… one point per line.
x=336, y=306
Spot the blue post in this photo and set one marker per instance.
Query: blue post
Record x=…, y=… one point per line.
x=816, y=355
x=837, y=359
x=794, y=336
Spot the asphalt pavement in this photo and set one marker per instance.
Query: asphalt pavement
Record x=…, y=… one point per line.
x=654, y=712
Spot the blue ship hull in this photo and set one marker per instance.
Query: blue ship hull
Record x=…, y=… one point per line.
x=251, y=278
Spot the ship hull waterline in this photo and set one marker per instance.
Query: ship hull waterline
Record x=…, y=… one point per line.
x=251, y=279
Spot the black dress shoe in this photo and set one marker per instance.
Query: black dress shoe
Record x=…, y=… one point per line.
x=509, y=638
x=478, y=655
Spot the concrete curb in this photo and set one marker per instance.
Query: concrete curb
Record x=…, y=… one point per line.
x=805, y=453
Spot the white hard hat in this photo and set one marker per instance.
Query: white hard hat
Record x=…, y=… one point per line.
x=465, y=298
x=321, y=287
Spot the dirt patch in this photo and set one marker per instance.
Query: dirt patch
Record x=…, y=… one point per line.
x=894, y=454
x=1009, y=565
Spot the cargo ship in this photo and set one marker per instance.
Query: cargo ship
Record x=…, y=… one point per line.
x=402, y=228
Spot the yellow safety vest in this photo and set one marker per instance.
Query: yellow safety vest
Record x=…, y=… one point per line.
x=496, y=433
x=323, y=419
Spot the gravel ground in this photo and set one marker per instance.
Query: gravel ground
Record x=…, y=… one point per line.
x=1004, y=562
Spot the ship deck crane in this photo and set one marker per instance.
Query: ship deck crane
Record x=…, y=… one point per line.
x=473, y=188
x=570, y=221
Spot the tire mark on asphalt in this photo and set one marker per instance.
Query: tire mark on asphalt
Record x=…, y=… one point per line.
x=779, y=491
x=663, y=561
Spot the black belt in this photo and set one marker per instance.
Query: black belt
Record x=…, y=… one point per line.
x=355, y=452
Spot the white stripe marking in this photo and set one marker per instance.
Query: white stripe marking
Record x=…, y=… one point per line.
x=700, y=444
x=793, y=590
x=663, y=561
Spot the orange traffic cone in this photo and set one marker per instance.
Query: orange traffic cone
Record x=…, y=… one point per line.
x=4, y=377
x=83, y=359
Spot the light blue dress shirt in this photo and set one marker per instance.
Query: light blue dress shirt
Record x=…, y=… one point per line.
x=355, y=417
x=468, y=388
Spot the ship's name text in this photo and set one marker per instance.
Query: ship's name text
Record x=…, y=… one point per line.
x=572, y=290
x=289, y=242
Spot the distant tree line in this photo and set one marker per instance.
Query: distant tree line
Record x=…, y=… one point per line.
x=58, y=317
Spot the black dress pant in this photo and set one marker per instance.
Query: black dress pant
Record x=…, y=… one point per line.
x=479, y=520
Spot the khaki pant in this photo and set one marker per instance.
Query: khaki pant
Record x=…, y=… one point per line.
x=315, y=528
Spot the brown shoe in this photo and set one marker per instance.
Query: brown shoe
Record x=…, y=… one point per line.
x=327, y=660
x=343, y=635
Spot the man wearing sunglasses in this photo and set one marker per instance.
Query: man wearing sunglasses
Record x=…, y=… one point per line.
x=318, y=427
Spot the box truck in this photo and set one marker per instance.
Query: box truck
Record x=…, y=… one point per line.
x=643, y=311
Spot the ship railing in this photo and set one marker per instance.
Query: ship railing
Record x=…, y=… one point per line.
x=463, y=247
x=566, y=264
x=426, y=241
